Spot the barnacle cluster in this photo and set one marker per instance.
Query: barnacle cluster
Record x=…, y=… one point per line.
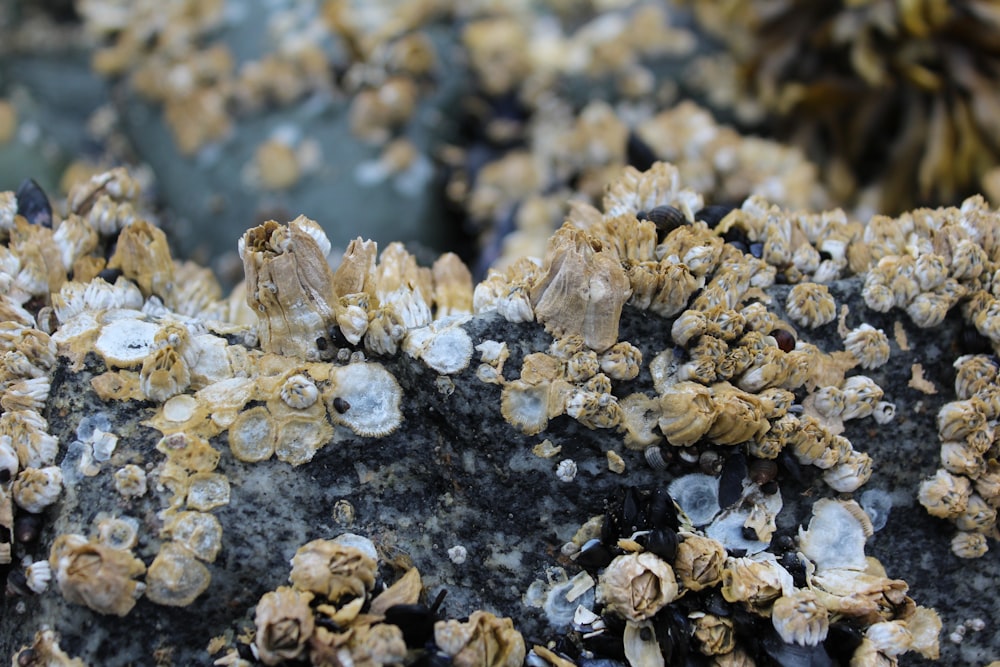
x=339, y=611
x=654, y=571
x=894, y=93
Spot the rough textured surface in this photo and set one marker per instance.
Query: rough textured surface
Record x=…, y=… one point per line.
x=456, y=474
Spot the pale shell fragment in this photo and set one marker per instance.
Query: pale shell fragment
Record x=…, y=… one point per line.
x=176, y=577
x=373, y=394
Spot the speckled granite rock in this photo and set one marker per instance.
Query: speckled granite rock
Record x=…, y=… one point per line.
x=456, y=474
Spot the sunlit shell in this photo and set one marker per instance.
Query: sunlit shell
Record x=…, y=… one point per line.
x=176, y=577
x=836, y=535
x=641, y=645
x=850, y=473
x=96, y=575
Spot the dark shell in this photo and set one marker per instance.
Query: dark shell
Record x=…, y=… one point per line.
x=33, y=204
x=27, y=527
x=341, y=405
x=666, y=218
x=784, y=338
x=713, y=214
x=594, y=556
x=763, y=471
x=638, y=153
x=663, y=543
x=734, y=471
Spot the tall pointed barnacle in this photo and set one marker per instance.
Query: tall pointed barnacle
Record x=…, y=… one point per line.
x=290, y=287
x=687, y=412
x=372, y=394
x=96, y=575
x=143, y=256
x=354, y=281
x=870, y=346
x=581, y=290
x=811, y=305
x=403, y=285
x=452, y=286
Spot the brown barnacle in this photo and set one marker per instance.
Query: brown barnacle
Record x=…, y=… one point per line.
x=332, y=570
x=713, y=634
x=96, y=575
x=974, y=373
x=581, y=290
x=958, y=419
x=776, y=401
x=594, y=409
x=756, y=581
x=284, y=623
x=690, y=325
x=849, y=473
x=969, y=545
x=29, y=437
x=928, y=309
x=580, y=367
x=960, y=458
x=740, y=416
x=386, y=330
x=698, y=563
x=811, y=443
x=677, y=285
x=726, y=323
x=130, y=481
x=768, y=368
x=945, y=495
x=799, y=618
x=735, y=362
x=870, y=346
x=637, y=585
x=176, y=577
x=978, y=516
x=758, y=318
x=621, y=361
x=704, y=357
x=452, y=286
x=143, y=256
x=968, y=260
x=29, y=394
x=640, y=420
x=164, y=373
x=801, y=363
x=299, y=392
x=645, y=281
x=811, y=305
x=290, y=287
x=482, y=641
x=37, y=488
x=687, y=412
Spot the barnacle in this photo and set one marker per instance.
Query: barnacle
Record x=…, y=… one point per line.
x=176, y=577
x=636, y=586
x=45, y=650
x=96, y=575
x=372, y=394
x=164, y=374
x=525, y=406
x=870, y=346
x=118, y=532
x=143, y=256
x=284, y=625
x=811, y=305
x=332, y=570
x=687, y=412
x=800, y=619
x=580, y=290
x=299, y=392
x=37, y=488
x=443, y=345
x=130, y=481
x=199, y=532
x=714, y=634
x=969, y=545
x=836, y=536
x=849, y=473
x=756, y=581
x=482, y=640
x=973, y=373
x=621, y=361
x=740, y=416
x=698, y=563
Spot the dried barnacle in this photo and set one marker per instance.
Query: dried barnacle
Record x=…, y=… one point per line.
x=284, y=625
x=690, y=325
x=870, y=346
x=714, y=634
x=37, y=488
x=962, y=459
x=959, y=419
x=117, y=532
x=96, y=575
x=580, y=290
x=332, y=570
x=443, y=345
x=45, y=651
x=290, y=288
x=640, y=419
x=30, y=394
x=525, y=406
x=945, y=495
x=373, y=395
x=969, y=545
x=299, y=392
x=978, y=516
x=799, y=618
x=678, y=285
x=849, y=473
x=621, y=361
x=973, y=373
x=164, y=373
x=130, y=481
x=199, y=532
x=687, y=413
x=637, y=585
x=452, y=286
x=740, y=416
x=482, y=641
x=38, y=576
x=207, y=490
x=699, y=560
x=176, y=577
x=811, y=305
x=756, y=581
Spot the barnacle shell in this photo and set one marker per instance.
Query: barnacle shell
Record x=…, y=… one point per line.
x=176, y=577
x=452, y=286
x=641, y=645
x=284, y=625
x=699, y=560
x=945, y=495
x=37, y=488
x=969, y=545
x=143, y=256
x=637, y=585
x=621, y=361
x=974, y=373
x=811, y=305
x=118, y=532
x=199, y=532
x=299, y=392
x=978, y=516
x=373, y=394
x=800, y=619
x=687, y=412
x=525, y=406
x=482, y=641
x=130, y=481
x=332, y=570
x=443, y=345
x=164, y=374
x=290, y=287
x=836, y=535
x=96, y=575
x=740, y=416
x=580, y=290
x=852, y=472
x=756, y=581
x=870, y=346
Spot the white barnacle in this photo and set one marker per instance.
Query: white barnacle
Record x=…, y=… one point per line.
x=199, y=532
x=38, y=576
x=443, y=345
x=638, y=585
x=861, y=395
x=299, y=392
x=800, y=619
x=95, y=575
x=836, y=536
x=945, y=495
x=37, y=488
x=850, y=473
x=371, y=395
x=130, y=481
x=207, y=490
x=870, y=346
x=973, y=373
x=811, y=305
x=126, y=342
x=969, y=545
x=118, y=532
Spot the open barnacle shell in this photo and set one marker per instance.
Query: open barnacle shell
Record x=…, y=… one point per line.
x=483, y=639
x=581, y=290
x=284, y=623
x=96, y=575
x=332, y=570
x=757, y=581
x=290, y=287
x=637, y=585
